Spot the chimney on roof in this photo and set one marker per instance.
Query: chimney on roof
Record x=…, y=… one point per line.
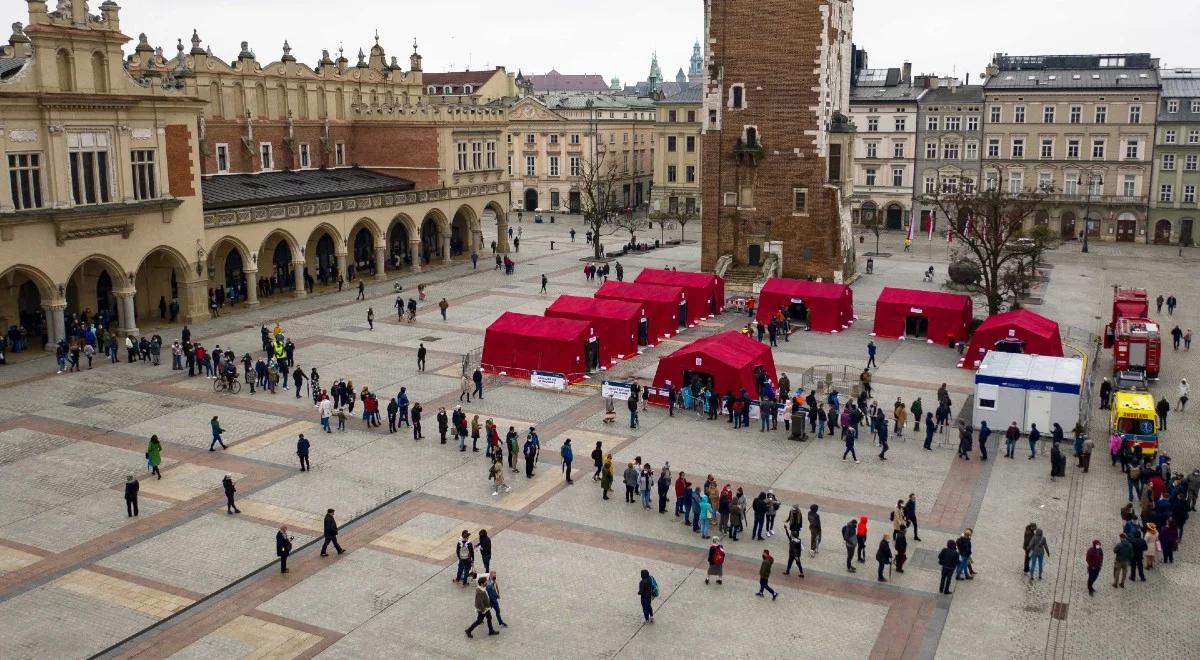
x=906, y=73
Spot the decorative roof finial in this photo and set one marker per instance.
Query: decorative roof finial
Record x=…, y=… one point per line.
x=287, y=52
x=376, y=36
x=414, y=44
x=362, y=58
x=196, y=49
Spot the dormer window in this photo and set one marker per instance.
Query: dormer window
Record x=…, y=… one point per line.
x=431, y=90
x=468, y=90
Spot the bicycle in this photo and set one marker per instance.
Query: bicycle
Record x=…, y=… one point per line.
x=222, y=385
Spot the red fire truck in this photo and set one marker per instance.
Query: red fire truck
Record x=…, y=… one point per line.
x=1137, y=346
x=1127, y=304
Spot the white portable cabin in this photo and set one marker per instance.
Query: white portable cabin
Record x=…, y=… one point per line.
x=1028, y=389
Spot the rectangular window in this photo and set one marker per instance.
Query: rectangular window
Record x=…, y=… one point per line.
x=1168, y=161
x=897, y=150
x=671, y=178
x=993, y=148
x=737, y=97
x=576, y=166
x=872, y=124
x=901, y=124
x=462, y=157
x=1076, y=114
x=1097, y=149
x=1195, y=106
x=968, y=185
x=1016, y=182
x=729, y=199
x=950, y=151
x=872, y=150
x=141, y=165
x=690, y=173
x=1131, y=149
x=992, y=181
x=1169, y=136
x=1018, y=148
x=1166, y=193
x=1189, y=194
x=1101, y=114
x=800, y=201
x=265, y=156
x=25, y=180
x=1045, y=181
x=476, y=156
x=931, y=150
x=833, y=171
x=930, y=182
x=89, y=165
x=574, y=138
x=305, y=159
x=339, y=154
x=1190, y=162
x=870, y=176
x=746, y=199
x=691, y=115
x=953, y=123
x=491, y=155
x=531, y=166
x=972, y=123
x=625, y=162
x=1129, y=185
x=972, y=151
x=690, y=144
x=1071, y=184
x=931, y=123
x=554, y=138
x=897, y=176
x=510, y=164
x=624, y=138
x=1048, y=114
x=1019, y=114
x=530, y=138
x=1047, y=150
x=1135, y=114
x=1193, y=136
x=1095, y=184
x=671, y=115
x=1173, y=106
x=995, y=114
x=1073, y=148
x=553, y=165
x=671, y=143
x=222, y=158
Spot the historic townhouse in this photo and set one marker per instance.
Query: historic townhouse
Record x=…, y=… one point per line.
x=949, y=140
x=677, y=141
x=883, y=107
x=1173, y=209
x=1081, y=127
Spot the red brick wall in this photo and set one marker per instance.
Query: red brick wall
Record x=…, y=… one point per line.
x=382, y=146
x=779, y=82
x=179, y=161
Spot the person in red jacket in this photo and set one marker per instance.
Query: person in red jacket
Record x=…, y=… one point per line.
x=1095, y=560
x=680, y=486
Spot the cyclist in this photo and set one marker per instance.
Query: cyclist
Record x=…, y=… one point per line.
x=230, y=373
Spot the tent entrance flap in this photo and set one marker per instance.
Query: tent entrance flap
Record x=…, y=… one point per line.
x=798, y=311
x=916, y=327
x=1009, y=346
x=591, y=354
x=683, y=317
x=701, y=378
x=643, y=331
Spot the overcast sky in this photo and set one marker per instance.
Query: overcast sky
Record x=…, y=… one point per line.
x=617, y=37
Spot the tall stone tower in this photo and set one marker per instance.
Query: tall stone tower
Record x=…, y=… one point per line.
x=696, y=68
x=776, y=156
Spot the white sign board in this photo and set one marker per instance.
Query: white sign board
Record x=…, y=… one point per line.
x=615, y=389
x=548, y=380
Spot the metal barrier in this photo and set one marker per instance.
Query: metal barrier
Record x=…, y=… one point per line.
x=823, y=378
x=1085, y=345
x=470, y=360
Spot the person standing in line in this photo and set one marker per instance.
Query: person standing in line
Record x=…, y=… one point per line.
x=646, y=592
x=964, y=557
x=227, y=485
x=758, y=507
x=645, y=484
x=529, y=451
x=883, y=555
x=132, y=486
x=370, y=318
x=849, y=434
x=814, y=530
x=1028, y=537
x=630, y=477
x=948, y=560
x=216, y=434
x=568, y=456
x=302, y=445
x=984, y=434
x=483, y=608
x=606, y=476
x=773, y=505
x=930, y=427
x=1122, y=553
x=484, y=545
x=283, y=547
x=1038, y=550
x=154, y=456
x=421, y=352
x=493, y=592
x=716, y=561
x=416, y=420
x=477, y=378
x=849, y=534
x=1094, y=558
x=900, y=537
x=1011, y=435
x=764, y=575
x=664, y=487
x=1034, y=436
x=598, y=460
x=1137, y=558
x=331, y=533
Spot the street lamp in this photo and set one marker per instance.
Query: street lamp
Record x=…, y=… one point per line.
x=1087, y=210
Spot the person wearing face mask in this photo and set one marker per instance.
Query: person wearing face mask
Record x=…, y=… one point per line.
x=1095, y=561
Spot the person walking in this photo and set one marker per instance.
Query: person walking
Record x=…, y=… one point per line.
x=330, y=533
x=477, y=378
x=764, y=575
x=568, y=456
x=883, y=556
x=647, y=591
x=442, y=307
x=1094, y=559
x=871, y=348
x=900, y=538
x=154, y=456
x=361, y=291
x=132, y=486
x=984, y=434
x=1184, y=391
x=421, y=353
x=1122, y=554
x=302, y=445
x=493, y=592
x=814, y=530
x=598, y=460
x=483, y=608
x=881, y=428
x=1038, y=550
x=849, y=537
x=948, y=560
x=227, y=485
x=964, y=557
x=544, y=282
x=910, y=515
x=606, y=476
x=216, y=434
x=849, y=435
x=795, y=541
x=283, y=547
x=464, y=388
x=716, y=561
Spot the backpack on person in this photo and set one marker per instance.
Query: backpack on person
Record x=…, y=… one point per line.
x=653, y=587
x=719, y=556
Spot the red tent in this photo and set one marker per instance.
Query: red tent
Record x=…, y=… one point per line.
x=830, y=306
x=516, y=344
x=1018, y=331
x=932, y=314
x=728, y=358
x=705, y=291
x=662, y=305
x=616, y=323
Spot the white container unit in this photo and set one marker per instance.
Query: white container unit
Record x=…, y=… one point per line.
x=1028, y=389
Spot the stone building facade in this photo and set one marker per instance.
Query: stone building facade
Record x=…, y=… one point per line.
x=134, y=183
x=1081, y=126
x=1173, y=206
x=883, y=107
x=775, y=151
x=677, y=159
x=949, y=140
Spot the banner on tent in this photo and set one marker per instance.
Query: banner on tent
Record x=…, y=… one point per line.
x=548, y=379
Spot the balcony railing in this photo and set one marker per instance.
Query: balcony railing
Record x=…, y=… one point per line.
x=748, y=153
x=1083, y=197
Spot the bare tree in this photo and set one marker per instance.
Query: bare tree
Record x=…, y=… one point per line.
x=630, y=221
x=680, y=215
x=598, y=188
x=874, y=223
x=987, y=223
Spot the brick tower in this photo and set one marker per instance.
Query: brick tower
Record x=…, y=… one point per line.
x=776, y=144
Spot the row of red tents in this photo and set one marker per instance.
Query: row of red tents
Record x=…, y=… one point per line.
x=579, y=334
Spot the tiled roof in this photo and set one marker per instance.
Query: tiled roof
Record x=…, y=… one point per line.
x=690, y=95
x=558, y=82
x=579, y=101
x=458, y=77
x=958, y=94
x=1181, y=84
x=236, y=190
x=899, y=93
x=11, y=65
x=1095, y=78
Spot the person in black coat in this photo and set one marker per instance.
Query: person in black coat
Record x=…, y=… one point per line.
x=302, y=446
x=948, y=560
x=283, y=548
x=884, y=556
x=331, y=532
x=131, y=496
